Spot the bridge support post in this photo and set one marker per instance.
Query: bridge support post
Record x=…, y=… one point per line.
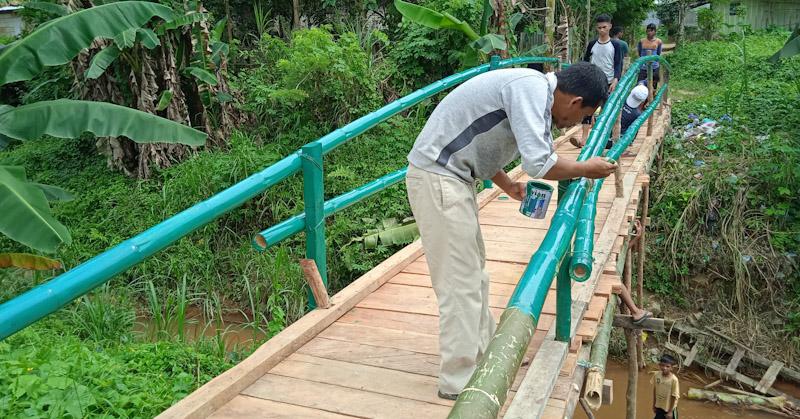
x=314, y=200
x=650, y=96
x=564, y=300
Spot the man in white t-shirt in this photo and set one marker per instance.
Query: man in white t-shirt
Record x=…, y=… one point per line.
x=606, y=53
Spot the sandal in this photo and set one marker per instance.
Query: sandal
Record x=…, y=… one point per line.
x=645, y=316
x=577, y=143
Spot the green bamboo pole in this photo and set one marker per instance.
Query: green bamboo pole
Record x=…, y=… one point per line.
x=564, y=300
x=593, y=389
x=487, y=390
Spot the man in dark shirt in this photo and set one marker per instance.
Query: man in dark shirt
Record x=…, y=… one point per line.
x=633, y=107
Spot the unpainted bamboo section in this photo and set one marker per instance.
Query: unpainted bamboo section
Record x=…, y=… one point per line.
x=776, y=405
x=593, y=389
x=645, y=202
x=486, y=391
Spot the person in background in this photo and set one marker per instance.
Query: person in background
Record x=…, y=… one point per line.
x=474, y=132
x=605, y=53
x=616, y=34
x=651, y=45
x=633, y=107
x=666, y=390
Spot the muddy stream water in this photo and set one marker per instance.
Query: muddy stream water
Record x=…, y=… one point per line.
x=687, y=409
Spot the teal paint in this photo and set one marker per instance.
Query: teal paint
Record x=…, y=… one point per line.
x=581, y=265
x=536, y=200
x=314, y=198
x=563, y=301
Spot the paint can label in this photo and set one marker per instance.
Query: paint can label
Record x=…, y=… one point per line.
x=536, y=200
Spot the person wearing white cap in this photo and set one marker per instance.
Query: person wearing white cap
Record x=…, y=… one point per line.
x=633, y=106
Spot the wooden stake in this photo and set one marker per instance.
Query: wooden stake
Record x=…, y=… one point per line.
x=642, y=250
x=314, y=279
x=633, y=367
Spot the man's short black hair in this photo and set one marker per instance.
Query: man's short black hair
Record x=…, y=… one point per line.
x=667, y=359
x=616, y=30
x=585, y=80
x=651, y=26
x=603, y=18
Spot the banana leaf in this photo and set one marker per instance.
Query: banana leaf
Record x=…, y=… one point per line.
x=60, y=40
x=101, y=61
x=433, y=19
x=182, y=20
x=50, y=8
x=489, y=42
x=164, y=99
x=790, y=49
x=28, y=261
x=54, y=193
x=65, y=118
x=202, y=75
x=26, y=216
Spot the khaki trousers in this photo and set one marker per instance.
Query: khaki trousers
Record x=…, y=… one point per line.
x=446, y=212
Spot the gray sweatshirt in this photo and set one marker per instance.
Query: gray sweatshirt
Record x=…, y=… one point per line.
x=487, y=122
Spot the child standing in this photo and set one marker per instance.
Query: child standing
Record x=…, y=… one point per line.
x=666, y=390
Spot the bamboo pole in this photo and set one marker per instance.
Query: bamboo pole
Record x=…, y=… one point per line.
x=315, y=282
x=642, y=250
x=630, y=337
x=487, y=390
x=650, y=96
x=777, y=405
x=593, y=389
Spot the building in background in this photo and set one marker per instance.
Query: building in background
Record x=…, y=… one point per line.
x=10, y=20
x=759, y=14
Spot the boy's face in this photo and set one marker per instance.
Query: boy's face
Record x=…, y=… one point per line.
x=568, y=110
x=666, y=369
x=603, y=28
x=651, y=33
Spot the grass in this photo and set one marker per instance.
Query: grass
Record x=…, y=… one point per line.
x=726, y=208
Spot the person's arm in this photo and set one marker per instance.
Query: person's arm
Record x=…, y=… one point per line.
x=673, y=399
x=587, y=56
x=639, y=48
x=594, y=168
x=618, y=59
x=652, y=382
x=658, y=49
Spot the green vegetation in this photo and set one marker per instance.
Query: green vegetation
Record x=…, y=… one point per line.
x=726, y=207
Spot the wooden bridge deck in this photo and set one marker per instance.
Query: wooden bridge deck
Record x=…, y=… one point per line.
x=374, y=353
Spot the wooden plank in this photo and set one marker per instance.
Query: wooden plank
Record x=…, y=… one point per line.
x=500, y=272
x=378, y=336
x=361, y=377
x=534, y=392
x=246, y=406
x=403, y=278
x=214, y=394
x=587, y=329
x=411, y=322
x=376, y=356
x=692, y=354
x=769, y=377
x=730, y=370
x=596, y=307
x=569, y=365
x=341, y=400
x=626, y=321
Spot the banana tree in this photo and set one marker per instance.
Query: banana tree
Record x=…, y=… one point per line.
x=26, y=215
x=480, y=44
x=172, y=66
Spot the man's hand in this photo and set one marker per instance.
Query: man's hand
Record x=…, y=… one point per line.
x=516, y=190
x=654, y=409
x=597, y=167
x=613, y=85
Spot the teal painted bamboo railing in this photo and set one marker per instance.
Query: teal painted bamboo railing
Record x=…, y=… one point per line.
x=488, y=387
x=27, y=308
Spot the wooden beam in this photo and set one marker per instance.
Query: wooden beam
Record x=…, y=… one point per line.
x=314, y=280
x=608, y=391
x=626, y=321
x=769, y=377
x=730, y=370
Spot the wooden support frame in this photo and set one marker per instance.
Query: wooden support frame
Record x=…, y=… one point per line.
x=315, y=283
x=626, y=321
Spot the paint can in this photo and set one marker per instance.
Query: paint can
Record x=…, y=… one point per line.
x=536, y=200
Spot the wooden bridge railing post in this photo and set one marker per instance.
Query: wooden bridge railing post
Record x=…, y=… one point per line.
x=650, y=96
x=314, y=199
